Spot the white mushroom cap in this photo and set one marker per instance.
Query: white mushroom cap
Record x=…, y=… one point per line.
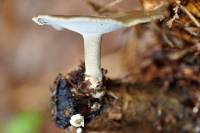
x=80, y=24
x=94, y=24
x=77, y=120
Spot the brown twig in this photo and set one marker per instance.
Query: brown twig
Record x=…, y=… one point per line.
x=196, y=22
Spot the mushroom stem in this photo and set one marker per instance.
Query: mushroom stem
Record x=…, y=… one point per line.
x=92, y=51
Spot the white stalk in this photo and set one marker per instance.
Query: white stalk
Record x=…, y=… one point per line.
x=92, y=51
x=79, y=130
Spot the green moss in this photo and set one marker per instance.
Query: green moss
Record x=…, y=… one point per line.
x=27, y=122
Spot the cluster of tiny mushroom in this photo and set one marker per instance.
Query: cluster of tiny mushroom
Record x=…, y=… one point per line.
x=92, y=28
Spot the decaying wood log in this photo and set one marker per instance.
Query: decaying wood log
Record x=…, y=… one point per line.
x=149, y=108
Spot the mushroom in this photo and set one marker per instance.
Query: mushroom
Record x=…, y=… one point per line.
x=77, y=121
x=92, y=28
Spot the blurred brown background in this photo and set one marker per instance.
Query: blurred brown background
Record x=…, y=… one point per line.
x=31, y=56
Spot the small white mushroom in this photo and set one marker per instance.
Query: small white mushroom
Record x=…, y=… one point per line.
x=92, y=28
x=77, y=121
